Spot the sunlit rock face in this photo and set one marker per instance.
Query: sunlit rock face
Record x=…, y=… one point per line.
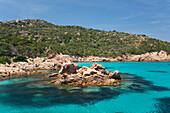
x=68, y=68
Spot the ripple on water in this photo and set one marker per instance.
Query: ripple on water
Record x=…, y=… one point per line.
x=91, y=89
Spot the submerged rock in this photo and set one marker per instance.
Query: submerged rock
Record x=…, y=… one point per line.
x=95, y=75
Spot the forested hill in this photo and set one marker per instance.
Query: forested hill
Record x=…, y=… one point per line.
x=32, y=38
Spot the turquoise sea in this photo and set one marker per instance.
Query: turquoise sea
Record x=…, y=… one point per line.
x=145, y=88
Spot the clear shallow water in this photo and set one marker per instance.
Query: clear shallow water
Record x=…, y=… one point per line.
x=145, y=88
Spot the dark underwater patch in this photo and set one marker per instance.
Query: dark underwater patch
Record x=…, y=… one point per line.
x=159, y=88
x=140, y=80
x=128, y=74
x=109, y=67
x=163, y=105
x=140, y=90
x=158, y=71
x=37, y=93
x=53, y=96
x=79, y=67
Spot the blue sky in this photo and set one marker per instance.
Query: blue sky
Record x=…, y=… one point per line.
x=150, y=17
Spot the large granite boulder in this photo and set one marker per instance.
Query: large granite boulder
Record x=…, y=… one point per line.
x=115, y=75
x=68, y=68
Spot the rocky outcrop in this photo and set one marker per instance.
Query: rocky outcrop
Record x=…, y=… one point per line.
x=9, y=70
x=95, y=75
x=147, y=57
x=52, y=62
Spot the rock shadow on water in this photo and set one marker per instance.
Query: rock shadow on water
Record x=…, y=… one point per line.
x=50, y=96
x=40, y=94
x=139, y=84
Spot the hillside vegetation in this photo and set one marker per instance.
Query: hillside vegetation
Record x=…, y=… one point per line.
x=32, y=38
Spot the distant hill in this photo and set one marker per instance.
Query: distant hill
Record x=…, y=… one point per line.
x=32, y=38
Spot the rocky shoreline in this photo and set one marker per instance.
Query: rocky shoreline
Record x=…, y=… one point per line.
x=161, y=56
x=32, y=65
x=56, y=61
x=95, y=75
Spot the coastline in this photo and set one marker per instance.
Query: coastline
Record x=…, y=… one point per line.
x=55, y=62
x=119, y=61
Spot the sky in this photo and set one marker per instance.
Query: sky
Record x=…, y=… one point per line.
x=150, y=17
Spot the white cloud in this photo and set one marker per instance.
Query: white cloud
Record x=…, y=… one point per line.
x=155, y=22
x=22, y=9
x=31, y=10
x=132, y=15
x=38, y=8
x=151, y=2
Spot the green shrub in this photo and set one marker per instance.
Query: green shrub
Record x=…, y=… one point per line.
x=5, y=59
x=42, y=55
x=20, y=58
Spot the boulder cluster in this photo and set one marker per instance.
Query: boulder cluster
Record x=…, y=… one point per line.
x=95, y=75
